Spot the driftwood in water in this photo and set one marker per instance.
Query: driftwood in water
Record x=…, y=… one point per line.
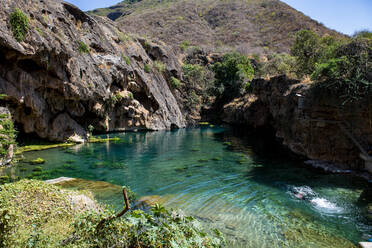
x=126, y=209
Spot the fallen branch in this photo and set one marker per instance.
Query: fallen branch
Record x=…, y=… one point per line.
x=127, y=207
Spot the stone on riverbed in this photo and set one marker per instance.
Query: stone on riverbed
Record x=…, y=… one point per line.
x=102, y=191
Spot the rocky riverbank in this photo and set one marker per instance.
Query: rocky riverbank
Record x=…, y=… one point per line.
x=73, y=70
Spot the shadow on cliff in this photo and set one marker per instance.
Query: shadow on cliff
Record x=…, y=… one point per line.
x=276, y=166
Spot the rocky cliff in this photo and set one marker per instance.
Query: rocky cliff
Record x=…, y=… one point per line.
x=73, y=70
x=313, y=123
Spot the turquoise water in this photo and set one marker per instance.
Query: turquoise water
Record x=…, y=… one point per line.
x=245, y=187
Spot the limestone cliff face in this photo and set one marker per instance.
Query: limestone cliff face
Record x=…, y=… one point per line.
x=56, y=90
x=311, y=123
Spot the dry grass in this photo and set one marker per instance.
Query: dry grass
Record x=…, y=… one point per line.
x=249, y=26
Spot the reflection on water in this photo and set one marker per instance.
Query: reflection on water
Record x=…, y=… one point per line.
x=246, y=187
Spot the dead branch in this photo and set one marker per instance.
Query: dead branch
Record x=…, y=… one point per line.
x=127, y=207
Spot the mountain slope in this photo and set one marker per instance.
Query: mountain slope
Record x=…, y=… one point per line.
x=250, y=26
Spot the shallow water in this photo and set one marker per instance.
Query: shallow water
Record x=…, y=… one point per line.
x=249, y=189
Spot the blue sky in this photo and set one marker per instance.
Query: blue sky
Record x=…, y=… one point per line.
x=346, y=16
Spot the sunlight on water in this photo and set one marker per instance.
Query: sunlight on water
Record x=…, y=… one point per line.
x=246, y=187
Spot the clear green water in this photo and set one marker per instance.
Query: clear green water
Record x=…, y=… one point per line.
x=245, y=190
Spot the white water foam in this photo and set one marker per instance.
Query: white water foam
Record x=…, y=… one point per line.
x=325, y=205
x=321, y=204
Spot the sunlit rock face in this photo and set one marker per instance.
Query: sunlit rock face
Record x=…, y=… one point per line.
x=73, y=70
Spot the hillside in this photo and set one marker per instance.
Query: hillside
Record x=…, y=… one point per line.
x=250, y=26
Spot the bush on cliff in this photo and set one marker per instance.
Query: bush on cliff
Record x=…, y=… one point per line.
x=7, y=134
x=83, y=48
x=36, y=214
x=344, y=67
x=231, y=74
x=20, y=24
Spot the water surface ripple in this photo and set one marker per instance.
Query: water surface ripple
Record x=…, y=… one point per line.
x=247, y=189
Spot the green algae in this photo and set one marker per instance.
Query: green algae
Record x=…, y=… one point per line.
x=37, y=161
x=102, y=140
x=30, y=148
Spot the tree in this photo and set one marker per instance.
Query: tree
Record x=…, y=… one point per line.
x=231, y=74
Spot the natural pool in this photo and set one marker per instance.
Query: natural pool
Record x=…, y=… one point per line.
x=244, y=186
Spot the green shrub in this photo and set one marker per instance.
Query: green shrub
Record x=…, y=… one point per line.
x=347, y=74
x=277, y=64
x=7, y=134
x=55, y=222
x=126, y=59
x=115, y=98
x=159, y=66
x=231, y=74
x=90, y=129
x=175, y=83
x=341, y=66
x=185, y=44
x=19, y=23
x=130, y=94
x=310, y=49
x=147, y=68
x=194, y=74
x=83, y=48
x=306, y=50
x=363, y=34
x=123, y=37
x=159, y=228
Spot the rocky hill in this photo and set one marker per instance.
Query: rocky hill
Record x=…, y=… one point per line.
x=249, y=26
x=72, y=70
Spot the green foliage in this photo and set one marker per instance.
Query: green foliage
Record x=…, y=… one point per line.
x=306, y=50
x=123, y=37
x=194, y=74
x=160, y=228
x=159, y=66
x=19, y=23
x=347, y=73
x=175, y=83
x=7, y=134
x=90, y=129
x=41, y=33
x=115, y=98
x=185, y=44
x=231, y=74
x=49, y=222
x=55, y=221
x=276, y=64
x=126, y=59
x=310, y=49
x=147, y=68
x=130, y=94
x=83, y=48
x=342, y=66
x=363, y=34
x=247, y=87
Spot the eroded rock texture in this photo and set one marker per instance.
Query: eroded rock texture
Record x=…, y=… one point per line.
x=308, y=121
x=56, y=91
